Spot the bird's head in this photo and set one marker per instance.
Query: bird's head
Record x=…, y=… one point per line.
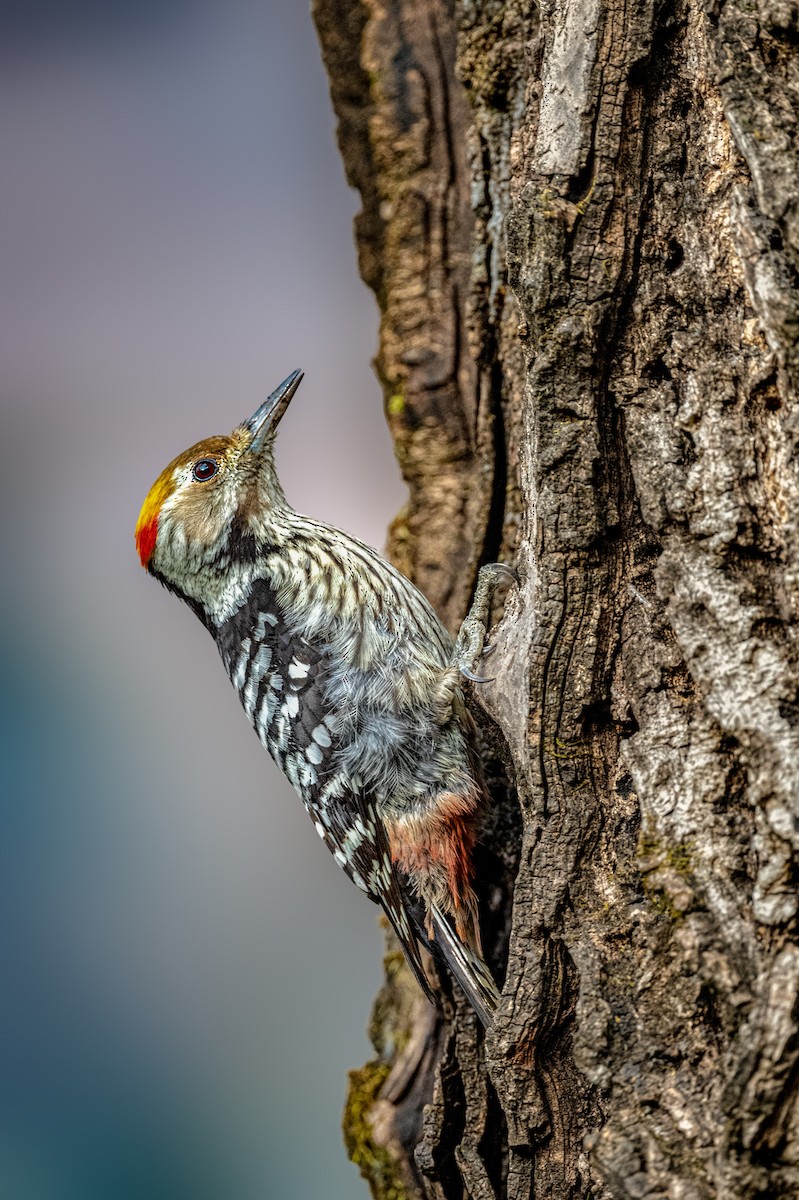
x=214, y=501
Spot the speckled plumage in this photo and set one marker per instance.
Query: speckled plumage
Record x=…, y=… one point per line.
x=347, y=676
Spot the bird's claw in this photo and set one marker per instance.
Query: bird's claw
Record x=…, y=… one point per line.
x=469, y=674
x=500, y=568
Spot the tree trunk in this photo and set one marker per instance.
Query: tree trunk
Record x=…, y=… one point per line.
x=582, y=225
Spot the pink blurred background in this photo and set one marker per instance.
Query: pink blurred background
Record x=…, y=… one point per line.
x=187, y=975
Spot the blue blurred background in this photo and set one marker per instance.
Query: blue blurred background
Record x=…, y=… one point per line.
x=186, y=974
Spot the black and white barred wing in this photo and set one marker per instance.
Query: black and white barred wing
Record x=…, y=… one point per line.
x=282, y=683
x=359, y=843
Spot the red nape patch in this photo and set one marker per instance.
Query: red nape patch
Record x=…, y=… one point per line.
x=146, y=534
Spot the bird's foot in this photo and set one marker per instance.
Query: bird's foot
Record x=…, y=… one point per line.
x=470, y=645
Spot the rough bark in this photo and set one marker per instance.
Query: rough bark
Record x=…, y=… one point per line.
x=581, y=222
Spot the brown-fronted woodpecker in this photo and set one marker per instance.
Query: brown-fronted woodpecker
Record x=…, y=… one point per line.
x=348, y=677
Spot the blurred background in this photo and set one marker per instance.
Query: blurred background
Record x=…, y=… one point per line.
x=186, y=974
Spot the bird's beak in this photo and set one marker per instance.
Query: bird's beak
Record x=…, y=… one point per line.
x=266, y=418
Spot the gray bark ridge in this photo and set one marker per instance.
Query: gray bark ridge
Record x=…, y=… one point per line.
x=581, y=225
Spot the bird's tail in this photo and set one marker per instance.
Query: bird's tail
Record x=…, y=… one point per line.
x=468, y=967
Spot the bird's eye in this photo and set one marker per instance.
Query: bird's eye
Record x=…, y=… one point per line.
x=205, y=469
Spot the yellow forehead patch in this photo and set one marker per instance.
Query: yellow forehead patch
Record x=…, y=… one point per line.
x=147, y=524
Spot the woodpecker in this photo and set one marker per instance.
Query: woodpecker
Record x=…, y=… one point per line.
x=348, y=677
